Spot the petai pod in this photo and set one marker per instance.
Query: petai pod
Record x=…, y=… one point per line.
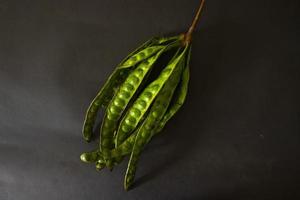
x=179, y=96
x=137, y=109
x=126, y=146
x=106, y=93
x=156, y=113
x=118, y=76
x=122, y=97
x=143, y=102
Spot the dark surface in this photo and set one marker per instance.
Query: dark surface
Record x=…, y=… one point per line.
x=237, y=136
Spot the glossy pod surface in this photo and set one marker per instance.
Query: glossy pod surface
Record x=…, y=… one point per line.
x=136, y=106
x=120, y=101
x=136, y=110
x=126, y=147
x=117, y=78
x=179, y=96
x=156, y=113
x=126, y=91
x=141, y=105
x=107, y=92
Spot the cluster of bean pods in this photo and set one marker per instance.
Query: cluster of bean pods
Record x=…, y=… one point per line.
x=137, y=109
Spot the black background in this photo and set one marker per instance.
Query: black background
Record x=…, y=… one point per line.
x=237, y=136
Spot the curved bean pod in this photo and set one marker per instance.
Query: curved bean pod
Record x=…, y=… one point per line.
x=141, y=55
x=116, y=155
x=134, y=113
x=158, y=109
x=107, y=92
x=179, y=97
x=121, y=99
x=118, y=76
x=143, y=102
x=126, y=147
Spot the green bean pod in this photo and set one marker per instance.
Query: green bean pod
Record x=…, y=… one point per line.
x=138, y=55
x=136, y=108
x=157, y=112
x=121, y=99
x=178, y=99
x=143, y=102
x=126, y=147
x=179, y=96
x=118, y=76
x=107, y=92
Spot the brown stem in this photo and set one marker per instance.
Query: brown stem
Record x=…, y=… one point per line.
x=188, y=35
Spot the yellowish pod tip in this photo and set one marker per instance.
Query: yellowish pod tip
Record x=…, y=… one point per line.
x=100, y=165
x=83, y=158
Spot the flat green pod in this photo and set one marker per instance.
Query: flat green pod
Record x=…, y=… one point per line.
x=143, y=102
x=106, y=93
x=121, y=99
x=179, y=96
x=126, y=147
x=158, y=109
x=116, y=78
x=137, y=110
